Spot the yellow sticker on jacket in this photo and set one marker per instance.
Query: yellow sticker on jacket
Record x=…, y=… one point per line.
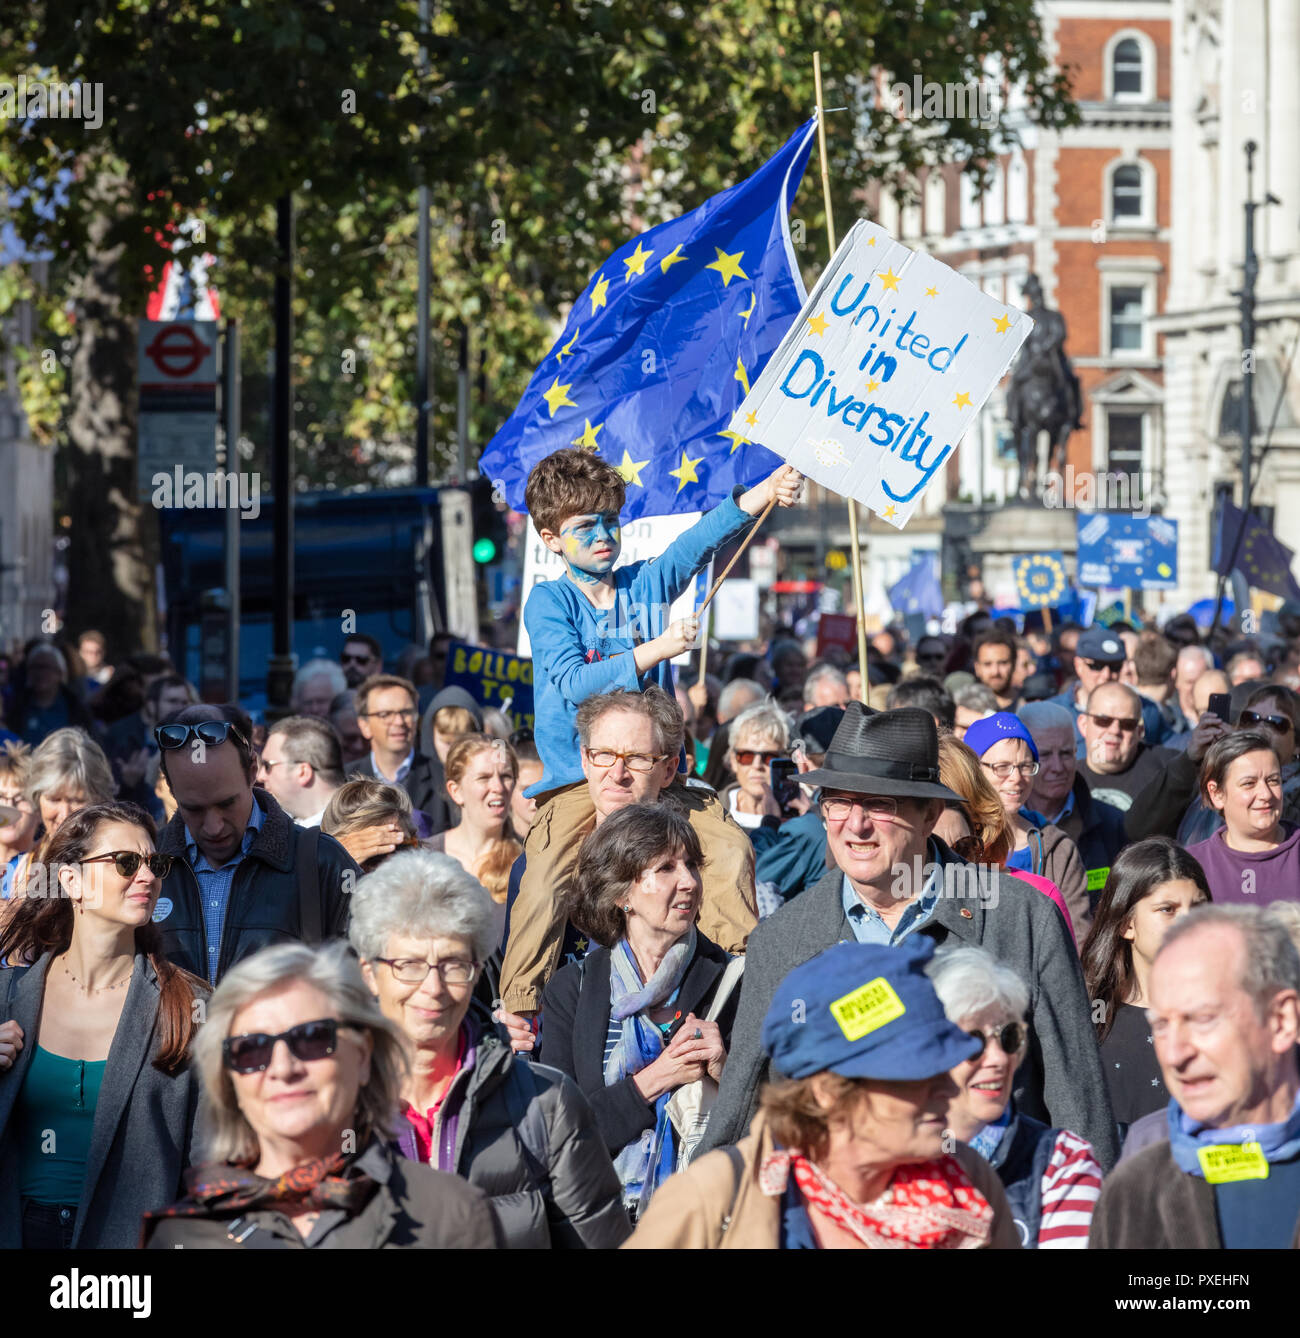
x=1097, y=878
x=1226, y=1162
x=867, y=1009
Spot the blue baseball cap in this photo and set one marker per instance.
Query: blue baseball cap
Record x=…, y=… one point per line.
x=983, y=734
x=864, y=1010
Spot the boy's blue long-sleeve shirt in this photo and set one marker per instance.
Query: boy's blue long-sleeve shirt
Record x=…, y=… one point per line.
x=580, y=650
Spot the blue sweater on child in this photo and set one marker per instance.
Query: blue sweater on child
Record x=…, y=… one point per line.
x=580, y=650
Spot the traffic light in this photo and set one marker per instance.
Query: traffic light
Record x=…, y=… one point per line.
x=490, y=533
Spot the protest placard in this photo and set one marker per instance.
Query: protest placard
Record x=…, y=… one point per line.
x=493, y=678
x=1128, y=552
x=882, y=372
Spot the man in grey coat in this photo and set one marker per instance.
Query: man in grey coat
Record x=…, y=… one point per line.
x=880, y=798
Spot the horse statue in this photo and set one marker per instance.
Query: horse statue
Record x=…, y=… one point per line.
x=1044, y=393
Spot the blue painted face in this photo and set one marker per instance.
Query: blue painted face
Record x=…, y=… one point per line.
x=590, y=545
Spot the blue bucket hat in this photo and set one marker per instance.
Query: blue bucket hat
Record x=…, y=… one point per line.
x=983, y=734
x=864, y=1010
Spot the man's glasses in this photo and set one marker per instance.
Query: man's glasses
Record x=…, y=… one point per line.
x=748, y=756
x=127, y=862
x=1003, y=769
x=345, y=658
x=1010, y=1037
x=1127, y=723
x=415, y=971
x=604, y=758
x=308, y=1041
x=1250, y=719
x=1098, y=665
x=878, y=807
x=283, y=762
x=210, y=732
x=385, y=716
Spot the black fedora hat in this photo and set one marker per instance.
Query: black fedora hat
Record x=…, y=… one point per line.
x=889, y=752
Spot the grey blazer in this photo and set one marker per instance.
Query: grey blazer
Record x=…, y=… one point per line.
x=140, y=1139
x=1060, y=1079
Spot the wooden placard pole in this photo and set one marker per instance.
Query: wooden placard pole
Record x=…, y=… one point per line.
x=855, y=556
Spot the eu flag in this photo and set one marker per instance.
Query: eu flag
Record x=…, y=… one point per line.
x=1040, y=580
x=1261, y=559
x=661, y=348
x=919, y=591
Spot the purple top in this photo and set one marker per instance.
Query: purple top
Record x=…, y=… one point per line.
x=449, y=1112
x=1245, y=878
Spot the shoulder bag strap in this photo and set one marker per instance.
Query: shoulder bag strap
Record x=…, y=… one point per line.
x=737, y=1171
x=730, y=978
x=310, y=920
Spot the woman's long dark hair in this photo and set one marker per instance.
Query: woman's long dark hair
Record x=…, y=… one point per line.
x=1107, y=955
x=42, y=921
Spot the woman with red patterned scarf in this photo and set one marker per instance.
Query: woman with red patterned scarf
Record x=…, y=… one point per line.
x=302, y=1074
x=851, y=1149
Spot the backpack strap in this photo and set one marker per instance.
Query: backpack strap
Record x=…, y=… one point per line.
x=738, y=1171
x=306, y=856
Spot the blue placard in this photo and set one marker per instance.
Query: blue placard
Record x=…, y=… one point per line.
x=1040, y=580
x=1128, y=552
x=491, y=677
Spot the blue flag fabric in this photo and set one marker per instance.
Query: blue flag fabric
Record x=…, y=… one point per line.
x=919, y=591
x=663, y=345
x=1262, y=559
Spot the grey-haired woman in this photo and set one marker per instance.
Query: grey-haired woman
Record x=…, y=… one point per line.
x=303, y=1075
x=521, y=1132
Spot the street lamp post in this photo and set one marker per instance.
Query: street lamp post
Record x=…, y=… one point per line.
x=282, y=662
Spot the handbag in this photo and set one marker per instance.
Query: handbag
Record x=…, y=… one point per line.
x=690, y=1104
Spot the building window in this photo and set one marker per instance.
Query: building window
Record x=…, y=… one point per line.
x=1125, y=319
x=1126, y=69
x=936, y=202
x=1126, y=191
x=1124, y=442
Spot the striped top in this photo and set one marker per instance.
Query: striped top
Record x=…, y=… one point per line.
x=1071, y=1187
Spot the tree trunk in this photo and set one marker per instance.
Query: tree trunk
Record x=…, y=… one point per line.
x=114, y=537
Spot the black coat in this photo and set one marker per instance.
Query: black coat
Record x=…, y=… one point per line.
x=575, y=1024
x=264, y=907
x=424, y=783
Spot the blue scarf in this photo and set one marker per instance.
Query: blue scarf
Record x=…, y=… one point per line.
x=1278, y=1142
x=990, y=1136
x=647, y=1161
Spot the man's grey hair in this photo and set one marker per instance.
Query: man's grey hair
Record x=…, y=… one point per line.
x=764, y=720
x=823, y=673
x=70, y=757
x=975, y=697
x=737, y=695
x=666, y=720
x=318, y=669
x=1134, y=696
x=334, y=971
x=47, y=652
x=970, y=981
x=307, y=738
x=1202, y=653
x=421, y=894
x=1043, y=717
x=1272, y=963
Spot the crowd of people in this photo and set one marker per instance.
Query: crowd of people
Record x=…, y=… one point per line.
x=994, y=950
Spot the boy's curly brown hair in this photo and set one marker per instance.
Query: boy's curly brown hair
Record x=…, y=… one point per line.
x=572, y=482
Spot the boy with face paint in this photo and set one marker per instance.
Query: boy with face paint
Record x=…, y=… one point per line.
x=592, y=630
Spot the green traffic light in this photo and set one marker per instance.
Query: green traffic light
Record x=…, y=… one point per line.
x=484, y=550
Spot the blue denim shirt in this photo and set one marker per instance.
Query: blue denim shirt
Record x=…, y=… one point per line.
x=867, y=925
x=215, y=884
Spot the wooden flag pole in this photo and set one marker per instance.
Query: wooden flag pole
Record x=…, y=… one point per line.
x=1047, y=620
x=855, y=557
x=713, y=589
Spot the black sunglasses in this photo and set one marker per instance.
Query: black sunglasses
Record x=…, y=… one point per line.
x=1010, y=1037
x=127, y=862
x=1098, y=665
x=252, y=1051
x=1281, y=723
x=209, y=731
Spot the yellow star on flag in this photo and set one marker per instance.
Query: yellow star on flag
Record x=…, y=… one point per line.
x=728, y=266
x=745, y=315
x=588, y=439
x=671, y=259
x=636, y=262
x=558, y=396
x=1001, y=323
x=736, y=440
x=932, y=292
x=873, y=385
x=889, y=279
x=817, y=324
x=751, y=417
x=962, y=401
x=741, y=375
x=567, y=350
x=630, y=470
x=890, y=512
x=599, y=294
x=686, y=472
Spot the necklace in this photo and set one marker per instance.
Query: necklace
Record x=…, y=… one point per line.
x=98, y=989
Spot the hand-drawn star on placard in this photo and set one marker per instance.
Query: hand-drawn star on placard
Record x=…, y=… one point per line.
x=558, y=396
x=889, y=512
x=889, y=280
x=671, y=259
x=685, y=473
x=636, y=262
x=630, y=470
x=589, y=434
x=751, y=418
x=599, y=294
x=817, y=324
x=871, y=241
x=873, y=386
x=962, y=400
x=932, y=292
x=1001, y=323
x=728, y=266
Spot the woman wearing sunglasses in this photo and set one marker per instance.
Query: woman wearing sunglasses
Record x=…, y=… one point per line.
x=1051, y=1177
x=97, y=1101
x=757, y=737
x=303, y=1075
